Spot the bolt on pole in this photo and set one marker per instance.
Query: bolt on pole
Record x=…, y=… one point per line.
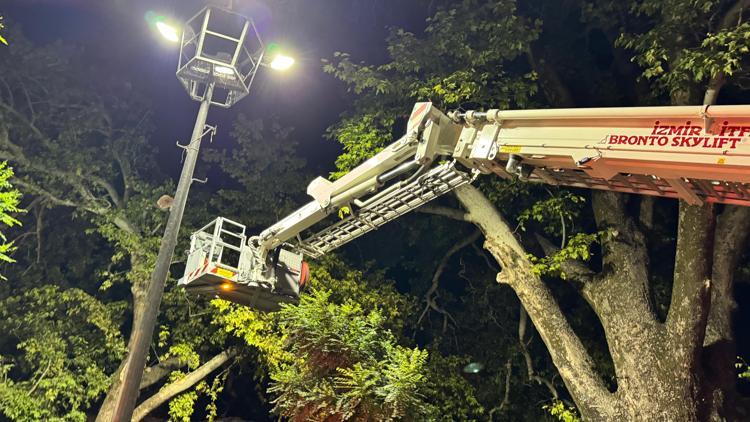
x=141, y=335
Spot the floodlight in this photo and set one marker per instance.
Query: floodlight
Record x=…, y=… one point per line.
x=282, y=62
x=169, y=32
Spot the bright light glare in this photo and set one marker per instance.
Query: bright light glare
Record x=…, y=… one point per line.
x=168, y=31
x=281, y=62
x=224, y=70
x=226, y=286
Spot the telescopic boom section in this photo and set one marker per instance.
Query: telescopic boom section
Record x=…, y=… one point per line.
x=696, y=153
x=430, y=134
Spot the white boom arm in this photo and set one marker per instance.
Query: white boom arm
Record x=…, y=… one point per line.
x=696, y=153
x=430, y=134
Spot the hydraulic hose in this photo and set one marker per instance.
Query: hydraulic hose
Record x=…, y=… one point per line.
x=422, y=170
x=395, y=172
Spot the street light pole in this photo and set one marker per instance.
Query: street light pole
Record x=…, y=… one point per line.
x=220, y=78
x=142, y=333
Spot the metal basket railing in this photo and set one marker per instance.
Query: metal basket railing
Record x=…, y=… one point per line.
x=220, y=242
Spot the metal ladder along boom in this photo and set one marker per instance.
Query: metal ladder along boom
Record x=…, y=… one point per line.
x=695, y=153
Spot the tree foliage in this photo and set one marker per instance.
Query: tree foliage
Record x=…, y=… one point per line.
x=340, y=353
x=264, y=151
x=464, y=58
x=688, y=43
x=65, y=348
x=10, y=199
x=350, y=366
x=80, y=151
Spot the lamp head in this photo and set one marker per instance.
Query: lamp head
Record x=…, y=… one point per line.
x=166, y=28
x=279, y=61
x=169, y=32
x=282, y=62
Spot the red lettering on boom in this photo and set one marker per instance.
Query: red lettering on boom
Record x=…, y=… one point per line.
x=676, y=130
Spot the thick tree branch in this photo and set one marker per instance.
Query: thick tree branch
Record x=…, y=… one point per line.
x=30, y=125
x=688, y=311
x=182, y=384
x=126, y=173
x=506, y=393
x=41, y=377
x=110, y=189
x=77, y=182
x=88, y=203
x=732, y=232
x=623, y=283
x=733, y=16
x=621, y=297
x=731, y=235
x=646, y=212
x=39, y=211
x=125, y=224
x=713, y=88
x=29, y=103
x=448, y=212
x=11, y=98
x=568, y=353
x=156, y=373
x=36, y=190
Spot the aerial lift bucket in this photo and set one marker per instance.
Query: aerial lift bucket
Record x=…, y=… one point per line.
x=220, y=265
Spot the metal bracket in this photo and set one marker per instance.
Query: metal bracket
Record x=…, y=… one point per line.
x=206, y=130
x=212, y=130
x=204, y=180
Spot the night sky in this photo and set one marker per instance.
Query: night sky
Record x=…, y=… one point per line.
x=115, y=37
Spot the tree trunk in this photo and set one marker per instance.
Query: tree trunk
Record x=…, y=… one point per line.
x=731, y=235
x=138, y=290
x=732, y=229
x=105, y=412
x=568, y=353
x=657, y=364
